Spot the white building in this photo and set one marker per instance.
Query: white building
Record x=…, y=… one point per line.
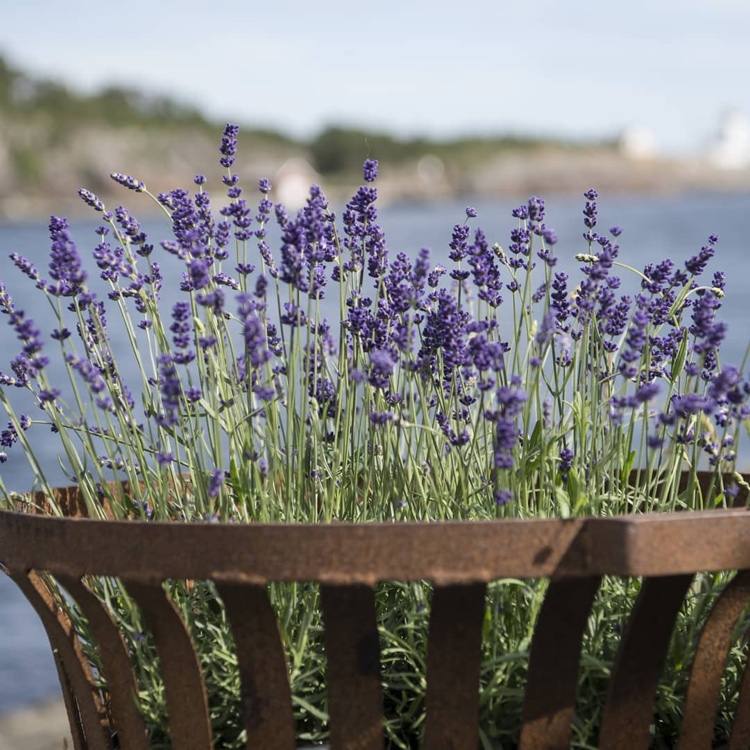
x=639, y=143
x=292, y=182
x=731, y=148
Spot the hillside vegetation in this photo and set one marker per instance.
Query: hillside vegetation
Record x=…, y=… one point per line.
x=54, y=139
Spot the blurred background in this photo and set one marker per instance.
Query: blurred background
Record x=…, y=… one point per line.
x=483, y=99
x=479, y=103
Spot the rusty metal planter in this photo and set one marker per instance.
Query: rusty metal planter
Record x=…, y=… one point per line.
x=459, y=558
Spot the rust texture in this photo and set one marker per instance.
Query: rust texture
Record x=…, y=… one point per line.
x=549, y=702
x=187, y=704
x=264, y=680
x=740, y=736
x=85, y=710
x=629, y=709
x=702, y=698
x=348, y=561
x=453, y=662
x=118, y=672
x=355, y=700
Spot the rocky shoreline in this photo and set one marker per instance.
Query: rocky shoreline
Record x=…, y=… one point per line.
x=40, y=727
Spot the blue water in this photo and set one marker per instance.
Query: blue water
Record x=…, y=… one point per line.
x=654, y=228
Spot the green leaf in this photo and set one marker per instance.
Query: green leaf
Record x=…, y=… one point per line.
x=563, y=502
x=679, y=361
x=627, y=468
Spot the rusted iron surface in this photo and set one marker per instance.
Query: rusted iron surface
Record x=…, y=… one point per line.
x=187, y=704
x=85, y=709
x=347, y=560
x=445, y=552
x=739, y=739
x=453, y=663
x=264, y=677
x=549, y=702
x=629, y=710
x=702, y=698
x=355, y=699
x=118, y=672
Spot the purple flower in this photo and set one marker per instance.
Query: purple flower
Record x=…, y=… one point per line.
x=181, y=329
x=485, y=270
x=697, y=264
x=634, y=341
x=486, y=354
x=364, y=239
x=590, y=211
x=433, y=277
x=90, y=199
x=471, y=213
x=566, y=460
x=510, y=401
x=164, y=459
x=370, y=170
x=193, y=394
x=213, y=300
x=253, y=333
x=28, y=333
x=546, y=330
x=228, y=147
x=381, y=368
x=560, y=300
x=549, y=235
x=646, y=392
x=131, y=183
x=459, y=244
x=8, y=436
x=65, y=266
x=381, y=418
x=216, y=482
x=171, y=391
x=691, y=403
x=199, y=276
x=503, y=497
x=25, y=266
x=133, y=231
x=708, y=332
x=90, y=373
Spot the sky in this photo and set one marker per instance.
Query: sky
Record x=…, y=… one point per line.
x=575, y=68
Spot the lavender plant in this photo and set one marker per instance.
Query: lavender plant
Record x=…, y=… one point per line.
x=495, y=388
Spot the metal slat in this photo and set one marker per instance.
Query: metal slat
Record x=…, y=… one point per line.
x=453, y=665
x=549, y=702
x=702, y=699
x=355, y=699
x=74, y=667
x=187, y=704
x=739, y=739
x=629, y=709
x=266, y=697
x=118, y=670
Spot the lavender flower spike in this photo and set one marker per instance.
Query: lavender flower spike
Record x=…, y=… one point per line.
x=370, y=170
x=228, y=146
x=91, y=199
x=131, y=183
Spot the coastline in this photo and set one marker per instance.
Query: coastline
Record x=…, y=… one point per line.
x=43, y=726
